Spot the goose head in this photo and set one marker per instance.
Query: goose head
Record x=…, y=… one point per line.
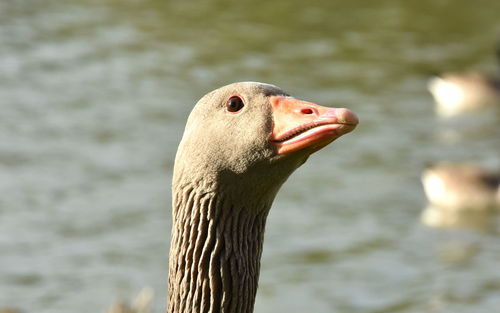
x=251, y=136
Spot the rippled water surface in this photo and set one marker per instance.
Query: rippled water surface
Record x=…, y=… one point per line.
x=94, y=97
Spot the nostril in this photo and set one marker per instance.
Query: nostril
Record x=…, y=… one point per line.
x=306, y=111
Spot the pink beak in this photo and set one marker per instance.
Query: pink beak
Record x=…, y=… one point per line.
x=305, y=125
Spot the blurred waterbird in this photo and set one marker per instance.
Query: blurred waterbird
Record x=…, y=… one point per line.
x=456, y=93
x=461, y=187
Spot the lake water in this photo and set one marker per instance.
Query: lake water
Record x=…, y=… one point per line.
x=93, y=100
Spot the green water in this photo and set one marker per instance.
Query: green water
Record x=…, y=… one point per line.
x=93, y=101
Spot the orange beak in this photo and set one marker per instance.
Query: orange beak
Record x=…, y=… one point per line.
x=299, y=124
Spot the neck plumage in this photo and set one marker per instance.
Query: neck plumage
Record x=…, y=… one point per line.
x=214, y=254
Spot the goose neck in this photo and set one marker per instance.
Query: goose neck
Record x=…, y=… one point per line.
x=215, y=253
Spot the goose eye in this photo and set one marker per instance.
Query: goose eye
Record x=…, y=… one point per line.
x=234, y=104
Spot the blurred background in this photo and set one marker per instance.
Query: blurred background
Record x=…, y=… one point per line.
x=93, y=99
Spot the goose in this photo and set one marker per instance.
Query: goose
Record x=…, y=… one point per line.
x=240, y=144
x=456, y=93
x=461, y=187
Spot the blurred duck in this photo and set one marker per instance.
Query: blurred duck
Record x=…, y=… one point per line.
x=456, y=93
x=461, y=187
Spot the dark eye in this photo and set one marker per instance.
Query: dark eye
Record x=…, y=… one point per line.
x=234, y=104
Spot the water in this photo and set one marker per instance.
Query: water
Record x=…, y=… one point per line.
x=94, y=96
